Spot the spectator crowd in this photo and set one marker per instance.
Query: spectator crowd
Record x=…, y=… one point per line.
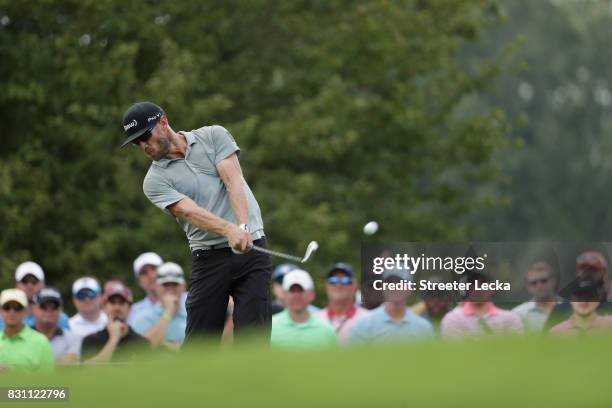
x=109, y=327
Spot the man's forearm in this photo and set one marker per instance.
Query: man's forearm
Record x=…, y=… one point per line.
x=156, y=334
x=190, y=212
x=106, y=354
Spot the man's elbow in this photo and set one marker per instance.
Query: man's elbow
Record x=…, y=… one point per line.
x=180, y=210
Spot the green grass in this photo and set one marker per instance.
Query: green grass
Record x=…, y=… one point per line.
x=502, y=372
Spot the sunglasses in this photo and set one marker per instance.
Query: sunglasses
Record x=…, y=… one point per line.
x=15, y=307
x=536, y=281
x=344, y=280
x=29, y=281
x=49, y=306
x=86, y=294
x=143, y=138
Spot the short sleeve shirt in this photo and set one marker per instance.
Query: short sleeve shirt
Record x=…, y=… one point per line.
x=28, y=350
x=128, y=348
x=196, y=176
x=313, y=333
x=146, y=318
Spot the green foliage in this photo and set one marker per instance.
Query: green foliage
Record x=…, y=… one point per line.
x=346, y=111
x=557, y=90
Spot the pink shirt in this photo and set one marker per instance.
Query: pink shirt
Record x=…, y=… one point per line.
x=342, y=323
x=464, y=322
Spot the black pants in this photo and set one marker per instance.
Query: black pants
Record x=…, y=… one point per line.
x=215, y=275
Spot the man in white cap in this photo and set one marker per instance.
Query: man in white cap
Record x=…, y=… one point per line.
x=21, y=347
x=145, y=272
x=164, y=324
x=87, y=298
x=295, y=327
x=30, y=277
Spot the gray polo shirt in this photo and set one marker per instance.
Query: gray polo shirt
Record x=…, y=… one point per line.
x=196, y=176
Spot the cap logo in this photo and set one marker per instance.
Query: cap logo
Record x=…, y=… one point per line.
x=152, y=118
x=130, y=125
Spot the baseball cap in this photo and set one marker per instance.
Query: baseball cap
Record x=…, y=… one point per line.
x=170, y=273
x=341, y=266
x=140, y=118
x=13, y=295
x=86, y=282
x=297, y=277
x=281, y=270
x=592, y=259
x=147, y=258
x=48, y=294
x=29, y=268
x=118, y=289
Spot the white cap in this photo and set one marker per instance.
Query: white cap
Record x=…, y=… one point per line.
x=29, y=268
x=170, y=273
x=14, y=295
x=148, y=258
x=86, y=283
x=297, y=277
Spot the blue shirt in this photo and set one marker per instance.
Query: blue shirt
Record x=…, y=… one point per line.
x=146, y=304
x=29, y=321
x=378, y=327
x=146, y=318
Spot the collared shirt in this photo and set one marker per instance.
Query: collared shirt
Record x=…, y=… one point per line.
x=378, y=327
x=196, y=176
x=288, y=334
x=463, y=321
x=28, y=350
x=64, y=342
x=147, y=304
x=569, y=326
x=343, y=324
x=533, y=317
x=148, y=317
x=127, y=349
x=82, y=327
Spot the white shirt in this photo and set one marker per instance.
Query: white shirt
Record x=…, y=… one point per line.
x=82, y=327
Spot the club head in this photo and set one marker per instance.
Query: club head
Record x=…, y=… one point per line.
x=312, y=247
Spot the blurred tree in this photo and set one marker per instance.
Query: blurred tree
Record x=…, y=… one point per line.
x=346, y=111
x=558, y=87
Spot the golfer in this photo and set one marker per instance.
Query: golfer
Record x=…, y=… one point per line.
x=196, y=177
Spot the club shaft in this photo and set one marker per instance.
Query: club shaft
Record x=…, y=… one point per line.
x=275, y=253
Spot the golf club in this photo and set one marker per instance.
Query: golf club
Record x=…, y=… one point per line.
x=312, y=247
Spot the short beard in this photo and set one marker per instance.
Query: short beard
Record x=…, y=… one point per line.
x=164, y=146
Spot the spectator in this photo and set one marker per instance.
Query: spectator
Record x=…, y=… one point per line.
x=437, y=304
x=145, y=272
x=478, y=315
x=392, y=321
x=165, y=323
x=585, y=299
x=590, y=265
x=117, y=342
x=341, y=312
x=21, y=347
x=47, y=309
x=295, y=327
x=87, y=298
x=277, y=288
x=30, y=278
x=278, y=274
x=541, y=284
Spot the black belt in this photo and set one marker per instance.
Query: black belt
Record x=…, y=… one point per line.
x=221, y=245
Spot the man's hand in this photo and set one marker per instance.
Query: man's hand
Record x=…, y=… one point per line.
x=170, y=303
x=116, y=330
x=239, y=239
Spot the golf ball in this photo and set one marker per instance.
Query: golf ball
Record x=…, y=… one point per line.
x=370, y=228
